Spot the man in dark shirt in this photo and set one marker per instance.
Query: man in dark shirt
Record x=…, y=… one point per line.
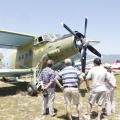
x=48, y=84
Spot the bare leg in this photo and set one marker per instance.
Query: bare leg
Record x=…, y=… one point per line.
x=79, y=110
x=89, y=108
x=99, y=111
x=69, y=112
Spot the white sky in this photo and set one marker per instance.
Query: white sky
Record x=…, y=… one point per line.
x=37, y=17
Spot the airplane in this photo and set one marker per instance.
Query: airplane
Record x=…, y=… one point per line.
x=78, y=63
x=116, y=66
x=31, y=52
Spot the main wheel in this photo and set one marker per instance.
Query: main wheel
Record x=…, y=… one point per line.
x=4, y=79
x=32, y=89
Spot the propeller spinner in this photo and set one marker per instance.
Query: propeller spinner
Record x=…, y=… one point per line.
x=82, y=44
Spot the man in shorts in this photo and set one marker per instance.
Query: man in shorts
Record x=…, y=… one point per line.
x=97, y=93
x=71, y=79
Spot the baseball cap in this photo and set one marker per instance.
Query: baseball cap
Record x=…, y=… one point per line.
x=107, y=65
x=68, y=61
x=97, y=61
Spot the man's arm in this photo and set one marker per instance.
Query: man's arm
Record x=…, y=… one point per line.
x=41, y=82
x=81, y=81
x=58, y=83
x=106, y=80
x=45, y=88
x=49, y=84
x=87, y=84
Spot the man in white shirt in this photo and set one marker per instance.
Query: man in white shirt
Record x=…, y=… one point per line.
x=97, y=93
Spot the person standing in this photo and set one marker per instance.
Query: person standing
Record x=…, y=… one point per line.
x=97, y=93
x=48, y=84
x=70, y=77
x=110, y=102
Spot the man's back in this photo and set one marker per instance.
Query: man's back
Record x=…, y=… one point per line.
x=47, y=75
x=98, y=75
x=69, y=76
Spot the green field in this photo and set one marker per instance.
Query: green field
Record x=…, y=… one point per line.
x=15, y=104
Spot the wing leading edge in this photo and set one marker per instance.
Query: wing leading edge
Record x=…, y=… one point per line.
x=12, y=40
x=14, y=72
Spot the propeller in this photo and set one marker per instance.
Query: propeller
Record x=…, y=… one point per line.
x=85, y=26
x=82, y=44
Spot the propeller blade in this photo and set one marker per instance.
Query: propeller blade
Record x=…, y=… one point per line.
x=85, y=26
x=93, y=42
x=93, y=50
x=83, y=59
x=66, y=27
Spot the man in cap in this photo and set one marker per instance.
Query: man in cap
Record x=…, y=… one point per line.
x=48, y=84
x=71, y=79
x=97, y=92
x=110, y=103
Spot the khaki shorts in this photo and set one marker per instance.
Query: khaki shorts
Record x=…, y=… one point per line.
x=98, y=97
x=71, y=93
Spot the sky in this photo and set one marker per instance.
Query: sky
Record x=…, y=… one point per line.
x=37, y=17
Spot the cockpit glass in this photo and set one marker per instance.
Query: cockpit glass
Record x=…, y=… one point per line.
x=50, y=37
x=46, y=37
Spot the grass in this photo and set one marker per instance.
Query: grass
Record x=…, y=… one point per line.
x=15, y=104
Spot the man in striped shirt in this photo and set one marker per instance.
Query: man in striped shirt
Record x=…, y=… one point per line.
x=71, y=79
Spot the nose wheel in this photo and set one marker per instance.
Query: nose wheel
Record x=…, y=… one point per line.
x=32, y=89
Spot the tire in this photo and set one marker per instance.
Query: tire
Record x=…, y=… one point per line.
x=4, y=79
x=32, y=89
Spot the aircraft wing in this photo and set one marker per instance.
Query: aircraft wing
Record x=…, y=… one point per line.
x=12, y=40
x=14, y=72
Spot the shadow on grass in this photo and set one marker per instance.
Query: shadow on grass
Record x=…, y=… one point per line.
x=65, y=117
x=83, y=92
x=12, y=89
x=95, y=114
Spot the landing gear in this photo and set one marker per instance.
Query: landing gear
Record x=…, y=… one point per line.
x=32, y=89
x=4, y=79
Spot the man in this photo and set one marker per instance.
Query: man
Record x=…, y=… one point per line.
x=110, y=103
x=97, y=92
x=70, y=77
x=48, y=84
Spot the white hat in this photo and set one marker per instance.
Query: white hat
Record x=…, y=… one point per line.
x=68, y=61
x=107, y=65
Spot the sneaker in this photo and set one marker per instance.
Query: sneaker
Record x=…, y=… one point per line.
x=53, y=115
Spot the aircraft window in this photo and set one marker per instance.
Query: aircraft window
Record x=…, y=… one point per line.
x=52, y=36
x=26, y=54
x=40, y=39
x=57, y=35
x=22, y=56
x=19, y=58
x=30, y=53
x=46, y=38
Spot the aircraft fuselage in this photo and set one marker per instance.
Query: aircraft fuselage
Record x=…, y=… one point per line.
x=29, y=55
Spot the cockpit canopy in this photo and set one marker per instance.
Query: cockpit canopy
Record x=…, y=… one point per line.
x=46, y=37
x=50, y=37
